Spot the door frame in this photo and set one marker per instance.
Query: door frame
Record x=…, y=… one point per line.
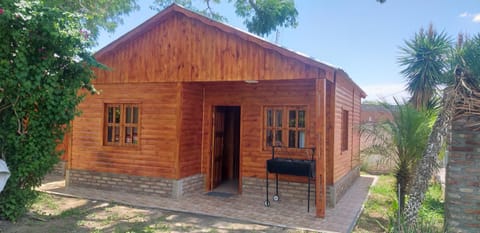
x=212, y=141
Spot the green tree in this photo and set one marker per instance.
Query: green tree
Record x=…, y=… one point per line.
x=44, y=62
x=261, y=17
x=97, y=14
x=401, y=140
x=424, y=59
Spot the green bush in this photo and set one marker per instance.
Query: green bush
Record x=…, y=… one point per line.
x=44, y=62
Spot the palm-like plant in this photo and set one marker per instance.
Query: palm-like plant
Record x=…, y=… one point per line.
x=461, y=97
x=424, y=59
x=401, y=140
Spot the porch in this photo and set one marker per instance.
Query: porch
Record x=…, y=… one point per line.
x=285, y=213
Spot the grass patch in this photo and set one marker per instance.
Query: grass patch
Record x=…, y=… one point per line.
x=382, y=202
x=45, y=200
x=72, y=213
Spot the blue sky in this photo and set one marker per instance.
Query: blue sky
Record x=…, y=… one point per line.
x=360, y=36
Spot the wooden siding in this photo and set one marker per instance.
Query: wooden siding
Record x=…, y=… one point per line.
x=330, y=129
x=64, y=147
x=320, y=140
x=356, y=115
x=157, y=150
x=191, y=130
x=180, y=48
x=345, y=99
x=252, y=98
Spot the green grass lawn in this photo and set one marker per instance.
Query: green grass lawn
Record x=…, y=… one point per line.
x=381, y=204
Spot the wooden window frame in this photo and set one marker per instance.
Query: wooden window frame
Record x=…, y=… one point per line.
x=344, y=130
x=285, y=127
x=122, y=125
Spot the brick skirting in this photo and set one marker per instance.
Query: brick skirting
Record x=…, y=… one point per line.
x=336, y=191
x=137, y=184
x=189, y=185
x=289, y=191
x=297, y=192
x=59, y=168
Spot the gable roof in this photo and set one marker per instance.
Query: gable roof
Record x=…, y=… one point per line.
x=174, y=8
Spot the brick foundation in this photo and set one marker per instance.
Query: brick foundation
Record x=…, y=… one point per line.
x=336, y=191
x=291, y=191
x=59, y=168
x=297, y=192
x=188, y=185
x=462, y=194
x=135, y=184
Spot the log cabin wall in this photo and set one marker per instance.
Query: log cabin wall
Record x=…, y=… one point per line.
x=252, y=98
x=347, y=99
x=190, y=154
x=177, y=47
x=330, y=134
x=156, y=152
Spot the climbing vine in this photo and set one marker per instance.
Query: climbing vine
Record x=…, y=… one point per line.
x=44, y=62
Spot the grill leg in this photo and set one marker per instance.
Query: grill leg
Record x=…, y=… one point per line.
x=276, y=184
x=308, y=202
x=267, y=202
x=276, y=197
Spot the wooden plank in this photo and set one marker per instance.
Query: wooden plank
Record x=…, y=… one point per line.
x=180, y=48
x=320, y=180
x=179, y=91
x=158, y=140
x=191, y=134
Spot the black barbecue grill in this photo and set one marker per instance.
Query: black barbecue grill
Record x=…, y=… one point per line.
x=296, y=167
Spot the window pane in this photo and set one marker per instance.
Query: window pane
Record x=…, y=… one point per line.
x=110, y=114
x=269, y=118
x=301, y=119
x=109, y=134
x=128, y=135
x=135, y=134
x=117, y=134
x=291, y=138
x=278, y=118
x=117, y=114
x=292, y=118
x=135, y=114
x=278, y=138
x=128, y=114
x=301, y=139
x=269, y=136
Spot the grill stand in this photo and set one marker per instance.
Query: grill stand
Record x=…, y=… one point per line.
x=310, y=174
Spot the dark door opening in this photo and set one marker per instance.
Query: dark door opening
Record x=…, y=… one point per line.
x=226, y=149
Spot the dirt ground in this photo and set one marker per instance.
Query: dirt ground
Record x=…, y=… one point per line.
x=53, y=213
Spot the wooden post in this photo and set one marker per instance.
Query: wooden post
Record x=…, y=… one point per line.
x=320, y=132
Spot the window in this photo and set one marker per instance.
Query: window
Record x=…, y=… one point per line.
x=121, y=124
x=344, y=130
x=285, y=126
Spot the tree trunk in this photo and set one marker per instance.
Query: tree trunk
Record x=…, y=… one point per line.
x=428, y=163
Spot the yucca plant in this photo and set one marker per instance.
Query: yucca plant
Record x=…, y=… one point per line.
x=425, y=60
x=460, y=97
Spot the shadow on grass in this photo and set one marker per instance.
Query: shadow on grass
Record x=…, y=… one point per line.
x=100, y=216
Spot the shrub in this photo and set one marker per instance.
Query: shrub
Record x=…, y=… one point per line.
x=44, y=62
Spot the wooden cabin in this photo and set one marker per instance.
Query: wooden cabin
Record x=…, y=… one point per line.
x=190, y=104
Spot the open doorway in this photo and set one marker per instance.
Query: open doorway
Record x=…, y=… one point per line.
x=226, y=149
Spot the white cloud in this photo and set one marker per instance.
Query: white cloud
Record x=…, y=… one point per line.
x=464, y=15
x=476, y=18
x=385, y=92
